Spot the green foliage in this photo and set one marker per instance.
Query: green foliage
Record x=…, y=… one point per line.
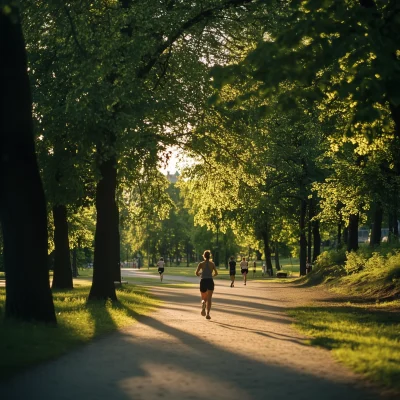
x=354, y=263
x=329, y=265
x=367, y=272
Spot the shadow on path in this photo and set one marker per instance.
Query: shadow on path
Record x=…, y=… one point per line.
x=177, y=354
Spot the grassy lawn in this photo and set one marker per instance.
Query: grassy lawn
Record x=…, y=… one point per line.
x=364, y=337
x=23, y=344
x=291, y=266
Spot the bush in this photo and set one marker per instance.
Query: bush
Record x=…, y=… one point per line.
x=393, y=266
x=355, y=262
x=328, y=265
x=330, y=258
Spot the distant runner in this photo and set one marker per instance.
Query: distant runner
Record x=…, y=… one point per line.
x=244, y=267
x=161, y=265
x=232, y=270
x=206, y=269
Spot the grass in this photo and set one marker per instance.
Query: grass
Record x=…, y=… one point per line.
x=365, y=337
x=291, y=266
x=156, y=282
x=25, y=344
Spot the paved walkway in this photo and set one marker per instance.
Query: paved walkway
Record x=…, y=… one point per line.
x=247, y=351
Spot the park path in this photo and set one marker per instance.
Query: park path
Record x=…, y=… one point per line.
x=247, y=351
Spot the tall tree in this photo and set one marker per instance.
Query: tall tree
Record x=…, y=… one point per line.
x=22, y=202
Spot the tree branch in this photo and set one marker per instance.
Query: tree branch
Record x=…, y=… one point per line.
x=203, y=15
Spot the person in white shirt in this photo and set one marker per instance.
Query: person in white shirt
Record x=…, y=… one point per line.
x=161, y=265
x=244, y=266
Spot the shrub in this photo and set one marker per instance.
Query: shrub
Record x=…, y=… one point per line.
x=376, y=261
x=328, y=265
x=330, y=258
x=393, y=266
x=355, y=262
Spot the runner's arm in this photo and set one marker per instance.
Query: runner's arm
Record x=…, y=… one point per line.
x=215, y=271
x=198, y=270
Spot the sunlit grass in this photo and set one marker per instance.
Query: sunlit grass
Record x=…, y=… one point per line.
x=138, y=280
x=78, y=322
x=291, y=266
x=364, y=337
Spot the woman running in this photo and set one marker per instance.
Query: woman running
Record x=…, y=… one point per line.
x=232, y=270
x=161, y=265
x=244, y=266
x=206, y=269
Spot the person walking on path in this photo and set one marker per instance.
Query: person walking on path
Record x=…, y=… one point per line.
x=254, y=268
x=264, y=269
x=161, y=266
x=232, y=270
x=206, y=269
x=244, y=267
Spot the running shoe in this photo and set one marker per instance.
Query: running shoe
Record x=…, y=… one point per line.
x=208, y=316
x=203, y=308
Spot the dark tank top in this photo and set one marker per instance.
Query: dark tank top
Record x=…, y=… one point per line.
x=206, y=271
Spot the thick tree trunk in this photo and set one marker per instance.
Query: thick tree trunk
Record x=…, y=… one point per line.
x=104, y=253
x=62, y=275
x=23, y=212
x=377, y=226
x=303, y=240
x=352, y=243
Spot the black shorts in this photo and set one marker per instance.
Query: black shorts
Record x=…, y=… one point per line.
x=232, y=272
x=245, y=270
x=160, y=270
x=206, y=284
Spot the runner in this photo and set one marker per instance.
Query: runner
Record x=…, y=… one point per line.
x=161, y=265
x=232, y=270
x=244, y=266
x=206, y=269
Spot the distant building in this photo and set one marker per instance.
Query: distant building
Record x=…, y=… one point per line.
x=172, y=178
x=364, y=234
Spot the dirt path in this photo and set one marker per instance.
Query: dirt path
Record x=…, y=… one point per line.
x=247, y=351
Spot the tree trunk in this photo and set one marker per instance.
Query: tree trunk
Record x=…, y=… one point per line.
x=277, y=263
x=352, y=243
x=309, y=229
x=346, y=235
x=316, y=240
x=339, y=234
x=395, y=226
x=62, y=276
x=23, y=212
x=377, y=226
x=303, y=240
x=267, y=250
x=104, y=252
x=117, y=248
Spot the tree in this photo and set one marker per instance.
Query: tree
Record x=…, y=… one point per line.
x=22, y=202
